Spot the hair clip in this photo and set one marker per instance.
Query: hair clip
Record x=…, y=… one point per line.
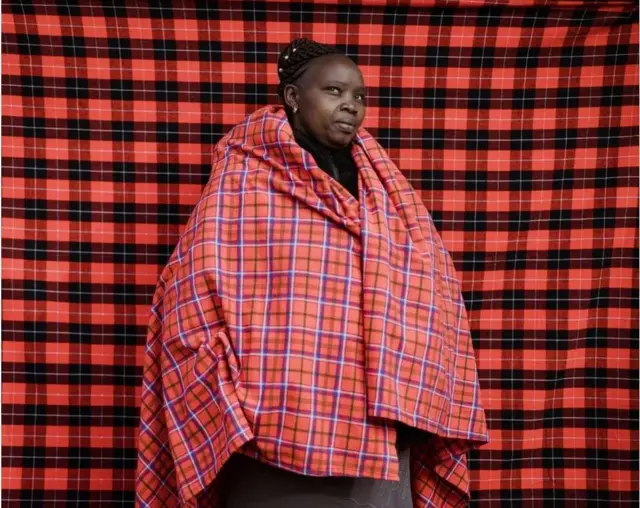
x=280, y=69
x=286, y=57
x=295, y=49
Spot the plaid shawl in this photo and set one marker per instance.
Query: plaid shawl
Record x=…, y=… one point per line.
x=293, y=322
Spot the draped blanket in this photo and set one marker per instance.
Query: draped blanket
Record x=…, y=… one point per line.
x=296, y=324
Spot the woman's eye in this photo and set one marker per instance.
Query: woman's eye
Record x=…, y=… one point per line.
x=333, y=89
x=360, y=97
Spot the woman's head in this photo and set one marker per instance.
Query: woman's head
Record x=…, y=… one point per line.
x=323, y=91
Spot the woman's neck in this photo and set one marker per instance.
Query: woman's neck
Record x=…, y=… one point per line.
x=311, y=144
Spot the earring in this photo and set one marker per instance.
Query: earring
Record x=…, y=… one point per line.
x=295, y=109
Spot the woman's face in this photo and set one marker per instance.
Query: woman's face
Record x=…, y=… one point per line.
x=329, y=97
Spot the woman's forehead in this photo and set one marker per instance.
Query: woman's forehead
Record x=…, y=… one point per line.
x=334, y=67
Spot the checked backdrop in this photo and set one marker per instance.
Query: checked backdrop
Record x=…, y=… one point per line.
x=517, y=120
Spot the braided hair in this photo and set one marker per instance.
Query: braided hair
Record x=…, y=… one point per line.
x=296, y=57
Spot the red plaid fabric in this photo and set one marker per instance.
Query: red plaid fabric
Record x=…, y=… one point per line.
x=516, y=121
x=305, y=321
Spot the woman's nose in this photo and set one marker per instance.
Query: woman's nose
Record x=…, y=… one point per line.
x=350, y=106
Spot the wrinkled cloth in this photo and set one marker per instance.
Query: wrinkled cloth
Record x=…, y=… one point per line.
x=297, y=325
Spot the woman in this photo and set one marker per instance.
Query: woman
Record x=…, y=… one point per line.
x=309, y=325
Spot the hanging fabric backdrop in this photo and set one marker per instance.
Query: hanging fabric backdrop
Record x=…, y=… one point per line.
x=517, y=120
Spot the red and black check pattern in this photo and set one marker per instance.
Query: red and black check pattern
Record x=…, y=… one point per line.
x=517, y=121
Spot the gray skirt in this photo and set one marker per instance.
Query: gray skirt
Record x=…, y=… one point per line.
x=251, y=484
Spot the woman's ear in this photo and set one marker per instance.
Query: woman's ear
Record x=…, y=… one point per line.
x=291, y=96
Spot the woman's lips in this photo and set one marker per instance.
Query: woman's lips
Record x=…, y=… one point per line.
x=346, y=127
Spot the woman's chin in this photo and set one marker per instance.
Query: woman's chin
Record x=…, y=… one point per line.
x=340, y=140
